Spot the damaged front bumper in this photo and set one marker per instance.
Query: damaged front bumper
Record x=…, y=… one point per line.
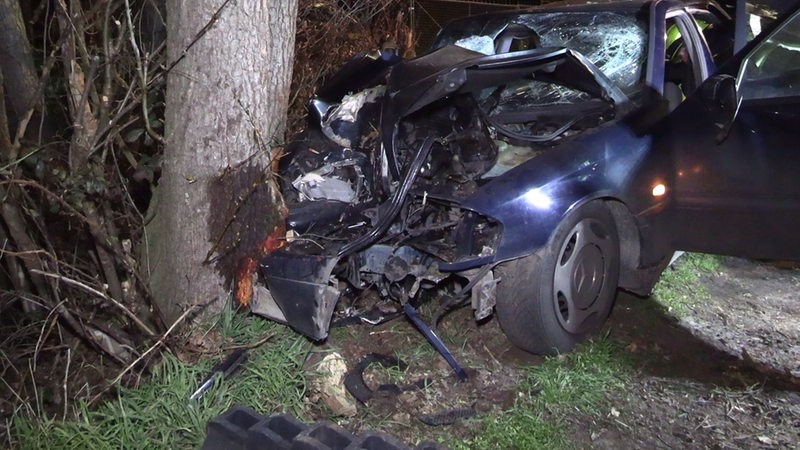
x=301, y=287
x=304, y=289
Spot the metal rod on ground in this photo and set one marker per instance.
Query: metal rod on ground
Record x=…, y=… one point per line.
x=435, y=340
x=224, y=369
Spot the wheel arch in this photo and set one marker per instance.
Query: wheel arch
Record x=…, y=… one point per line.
x=630, y=240
x=630, y=244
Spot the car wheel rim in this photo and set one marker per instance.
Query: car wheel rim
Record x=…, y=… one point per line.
x=581, y=273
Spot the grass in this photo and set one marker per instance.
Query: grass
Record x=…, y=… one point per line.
x=158, y=414
x=581, y=382
x=678, y=289
x=518, y=428
x=576, y=383
x=551, y=395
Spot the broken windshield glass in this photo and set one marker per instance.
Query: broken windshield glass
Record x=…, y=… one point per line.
x=615, y=42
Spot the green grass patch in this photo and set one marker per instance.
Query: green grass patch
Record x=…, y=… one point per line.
x=521, y=427
x=158, y=413
x=678, y=290
x=575, y=383
x=580, y=379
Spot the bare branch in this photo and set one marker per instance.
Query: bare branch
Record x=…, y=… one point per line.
x=147, y=352
x=142, y=326
x=142, y=77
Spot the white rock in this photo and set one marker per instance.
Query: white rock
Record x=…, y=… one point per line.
x=329, y=381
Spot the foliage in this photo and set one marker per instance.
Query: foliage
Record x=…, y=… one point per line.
x=580, y=381
x=157, y=414
x=678, y=289
x=75, y=181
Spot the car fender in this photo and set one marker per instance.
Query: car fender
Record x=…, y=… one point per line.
x=533, y=198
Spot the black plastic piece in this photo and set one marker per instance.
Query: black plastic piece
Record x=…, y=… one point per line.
x=224, y=369
x=323, y=435
x=241, y=428
x=230, y=430
x=300, y=285
x=355, y=385
x=435, y=340
x=447, y=417
x=305, y=215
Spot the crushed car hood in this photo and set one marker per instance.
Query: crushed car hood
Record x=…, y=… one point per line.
x=416, y=83
x=411, y=85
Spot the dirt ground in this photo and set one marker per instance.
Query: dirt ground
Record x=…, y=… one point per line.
x=724, y=375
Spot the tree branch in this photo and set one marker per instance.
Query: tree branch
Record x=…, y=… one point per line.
x=142, y=77
x=142, y=326
x=143, y=355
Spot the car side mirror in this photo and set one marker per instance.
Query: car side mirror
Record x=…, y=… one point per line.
x=721, y=99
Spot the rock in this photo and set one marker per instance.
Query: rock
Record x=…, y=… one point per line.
x=328, y=380
x=402, y=418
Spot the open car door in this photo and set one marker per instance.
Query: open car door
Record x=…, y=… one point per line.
x=734, y=159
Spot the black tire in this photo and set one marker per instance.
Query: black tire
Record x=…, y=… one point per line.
x=544, y=303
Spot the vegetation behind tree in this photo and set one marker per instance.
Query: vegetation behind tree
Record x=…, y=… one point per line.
x=86, y=128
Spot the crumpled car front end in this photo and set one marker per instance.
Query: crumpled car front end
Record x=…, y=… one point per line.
x=376, y=186
x=362, y=215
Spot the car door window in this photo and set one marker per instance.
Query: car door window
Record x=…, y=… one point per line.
x=681, y=60
x=772, y=69
x=678, y=67
x=717, y=29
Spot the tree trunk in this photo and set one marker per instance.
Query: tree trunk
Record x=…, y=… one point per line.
x=5, y=132
x=226, y=103
x=20, y=79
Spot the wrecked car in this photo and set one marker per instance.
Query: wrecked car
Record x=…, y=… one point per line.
x=509, y=168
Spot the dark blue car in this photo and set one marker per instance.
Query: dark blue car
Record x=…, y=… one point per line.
x=525, y=166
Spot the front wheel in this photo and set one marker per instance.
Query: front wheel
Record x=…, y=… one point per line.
x=552, y=300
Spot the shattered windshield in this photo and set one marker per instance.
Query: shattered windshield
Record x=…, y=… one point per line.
x=616, y=42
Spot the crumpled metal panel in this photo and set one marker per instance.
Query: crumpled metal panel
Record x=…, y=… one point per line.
x=301, y=286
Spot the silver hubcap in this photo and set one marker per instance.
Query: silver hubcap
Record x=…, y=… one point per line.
x=580, y=274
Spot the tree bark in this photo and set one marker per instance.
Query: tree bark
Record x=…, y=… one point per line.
x=16, y=61
x=226, y=101
x=5, y=132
